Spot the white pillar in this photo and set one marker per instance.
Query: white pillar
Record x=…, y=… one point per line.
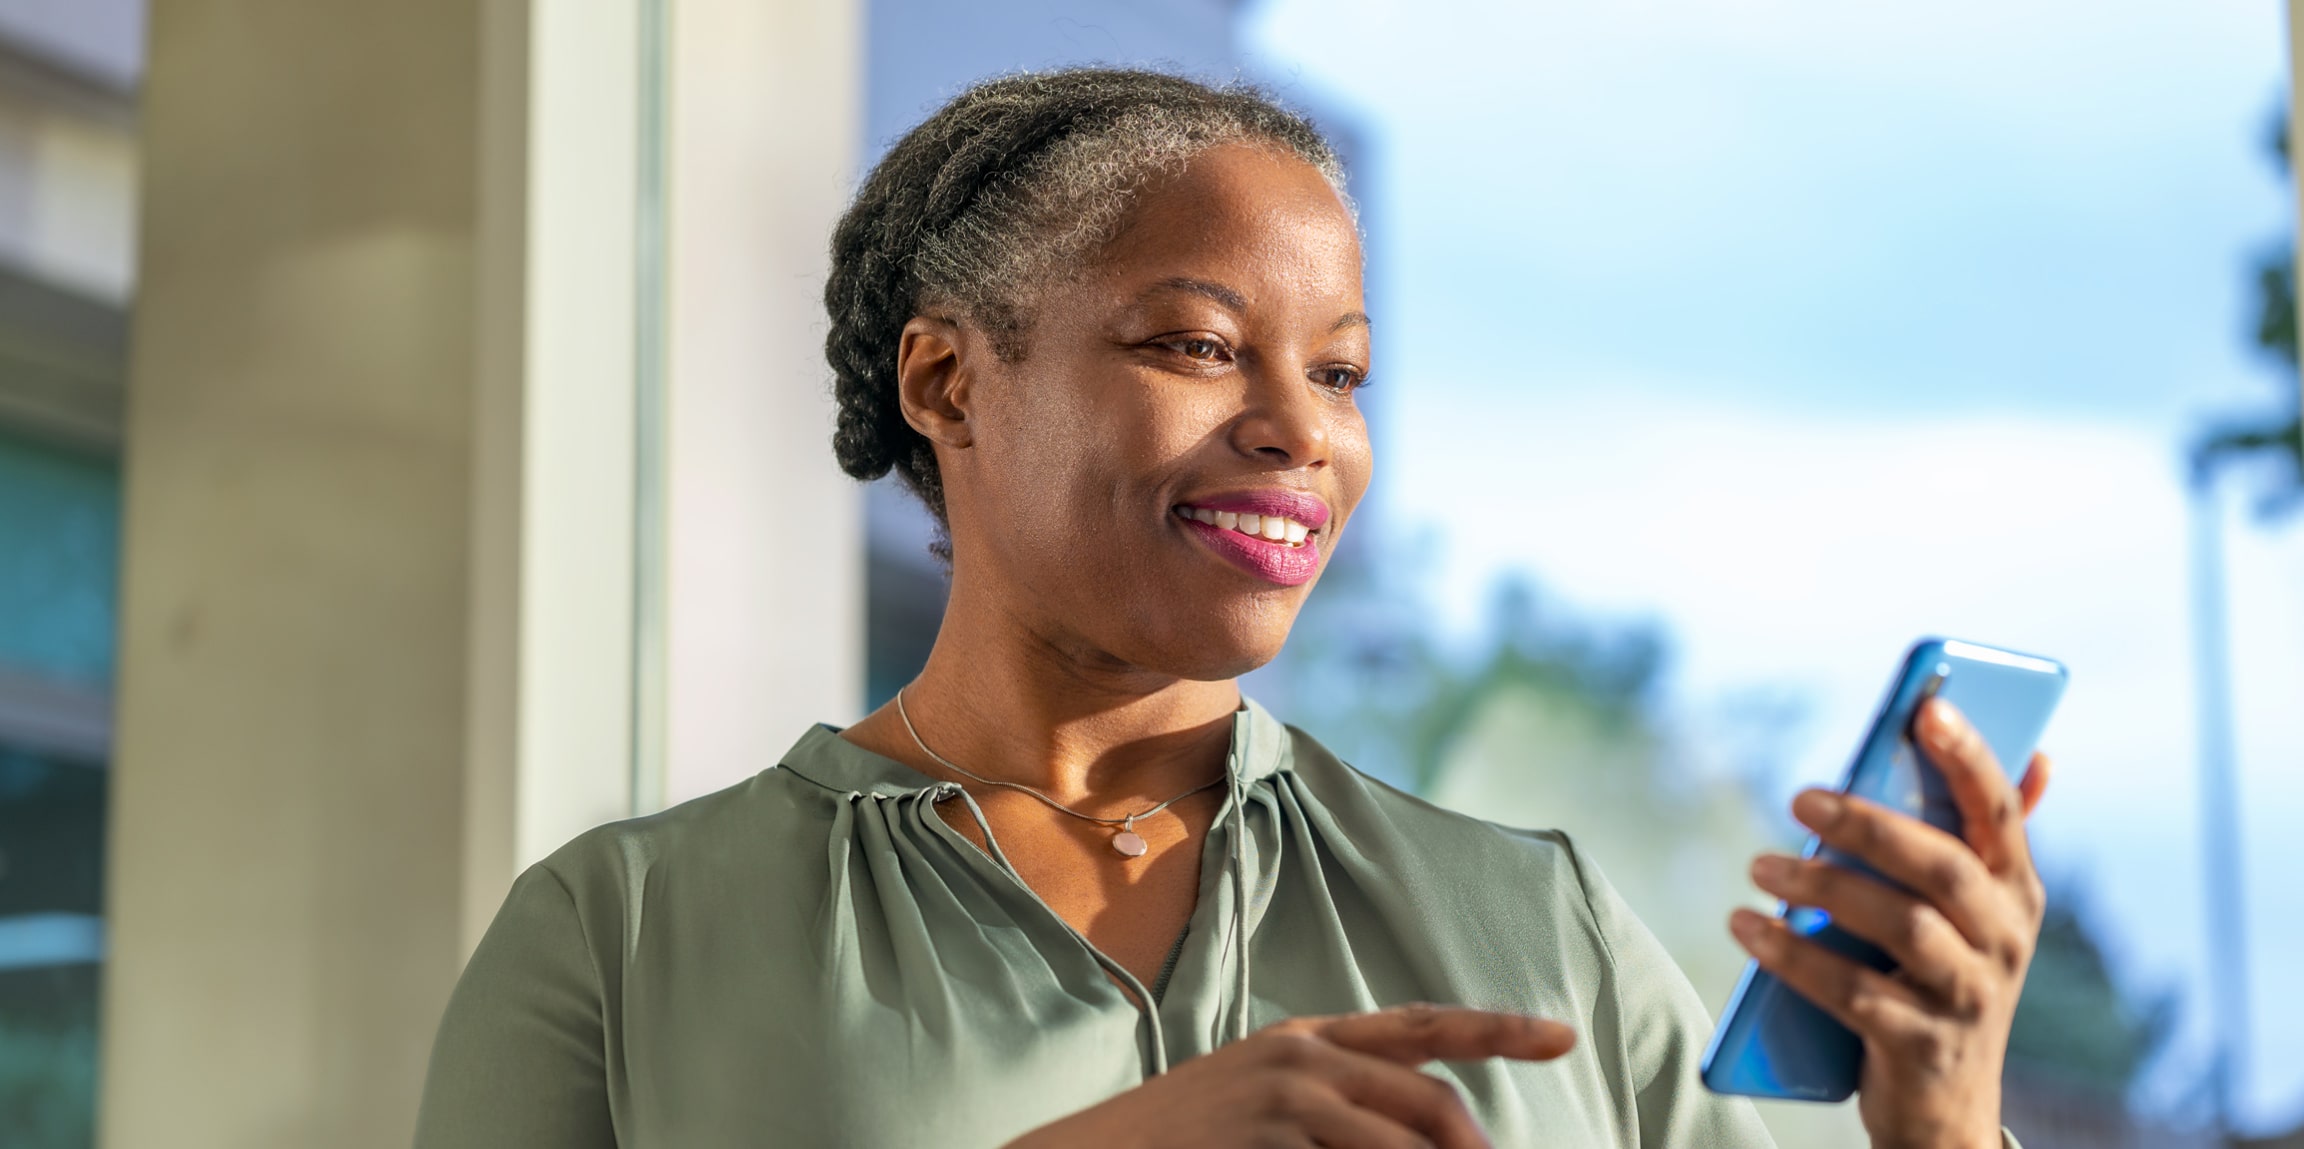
x=284, y=851
x=765, y=579
x=380, y=618
x=550, y=737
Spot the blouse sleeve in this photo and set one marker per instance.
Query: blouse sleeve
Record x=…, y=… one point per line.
x=520, y=1059
x=1665, y=1027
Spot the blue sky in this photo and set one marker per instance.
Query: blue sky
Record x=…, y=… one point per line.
x=1806, y=327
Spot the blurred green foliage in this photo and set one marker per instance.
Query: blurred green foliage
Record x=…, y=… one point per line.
x=2076, y=1027
x=2275, y=438
x=1554, y=722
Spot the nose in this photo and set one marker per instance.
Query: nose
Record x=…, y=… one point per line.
x=1285, y=423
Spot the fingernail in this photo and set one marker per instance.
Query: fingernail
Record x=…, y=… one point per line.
x=1944, y=722
x=1817, y=809
x=1747, y=927
x=1771, y=869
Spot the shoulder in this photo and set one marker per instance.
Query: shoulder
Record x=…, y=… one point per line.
x=1447, y=842
x=1488, y=887
x=750, y=826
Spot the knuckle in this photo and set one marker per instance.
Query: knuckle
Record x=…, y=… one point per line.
x=1814, y=879
x=1292, y=1050
x=1438, y=1097
x=1276, y=1137
x=2000, y=810
x=1860, y=825
x=1845, y=990
x=1966, y=998
x=1295, y=1096
x=1804, y=967
x=1489, y=1028
x=1868, y=1010
x=1948, y=878
x=1915, y=922
x=1929, y=1047
x=2014, y=957
x=1875, y=829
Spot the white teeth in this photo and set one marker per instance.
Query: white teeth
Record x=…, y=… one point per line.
x=1272, y=528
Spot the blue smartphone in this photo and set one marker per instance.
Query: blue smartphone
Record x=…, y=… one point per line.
x=1774, y=1043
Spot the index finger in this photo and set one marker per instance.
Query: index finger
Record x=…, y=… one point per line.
x=1415, y=1034
x=1991, y=809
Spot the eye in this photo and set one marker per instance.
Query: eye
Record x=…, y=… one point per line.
x=1340, y=377
x=1201, y=348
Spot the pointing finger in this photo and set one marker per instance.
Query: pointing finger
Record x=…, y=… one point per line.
x=1415, y=1034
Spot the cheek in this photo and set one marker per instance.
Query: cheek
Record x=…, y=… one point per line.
x=1355, y=456
x=1033, y=434
x=1101, y=442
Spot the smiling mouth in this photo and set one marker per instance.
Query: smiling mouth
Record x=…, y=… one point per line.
x=1278, y=529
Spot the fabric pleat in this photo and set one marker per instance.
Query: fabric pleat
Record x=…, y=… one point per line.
x=816, y=957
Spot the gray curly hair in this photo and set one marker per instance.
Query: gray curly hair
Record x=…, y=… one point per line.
x=1007, y=190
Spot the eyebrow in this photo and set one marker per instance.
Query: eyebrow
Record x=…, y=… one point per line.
x=1216, y=291
x=1237, y=302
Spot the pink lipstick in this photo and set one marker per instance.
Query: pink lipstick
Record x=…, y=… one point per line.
x=1274, y=534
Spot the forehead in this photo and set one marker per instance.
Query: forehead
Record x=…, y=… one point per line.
x=1260, y=221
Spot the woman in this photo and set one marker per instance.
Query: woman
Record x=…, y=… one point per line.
x=1069, y=888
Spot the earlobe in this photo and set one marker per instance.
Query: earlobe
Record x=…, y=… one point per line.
x=932, y=380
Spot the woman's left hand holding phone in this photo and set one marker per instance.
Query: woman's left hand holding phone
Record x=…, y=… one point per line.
x=1935, y=1032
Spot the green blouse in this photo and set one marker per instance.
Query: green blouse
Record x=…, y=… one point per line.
x=815, y=958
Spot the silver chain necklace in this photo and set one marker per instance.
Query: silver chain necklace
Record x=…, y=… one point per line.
x=1127, y=842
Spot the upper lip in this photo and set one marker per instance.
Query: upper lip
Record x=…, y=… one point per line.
x=1301, y=506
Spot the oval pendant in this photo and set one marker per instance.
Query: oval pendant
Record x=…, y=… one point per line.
x=1130, y=843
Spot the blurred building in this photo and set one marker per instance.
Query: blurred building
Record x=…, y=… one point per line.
x=68, y=149
x=410, y=564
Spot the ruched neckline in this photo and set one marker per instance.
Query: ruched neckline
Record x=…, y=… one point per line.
x=1260, y=748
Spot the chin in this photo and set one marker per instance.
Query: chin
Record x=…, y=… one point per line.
x=1224, y=643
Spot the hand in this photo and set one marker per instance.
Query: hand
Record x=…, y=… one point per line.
x=1935, y=1032
x=1346, y=1082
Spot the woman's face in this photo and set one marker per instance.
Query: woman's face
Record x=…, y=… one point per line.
x=1194, y=386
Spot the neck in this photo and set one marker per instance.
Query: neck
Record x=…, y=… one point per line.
x=1005, y=700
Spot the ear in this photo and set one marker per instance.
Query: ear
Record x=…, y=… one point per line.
x=932, y=380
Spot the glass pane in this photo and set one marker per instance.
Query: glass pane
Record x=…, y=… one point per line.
x=51, y=891
x=68, y=177
x=59, y=560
